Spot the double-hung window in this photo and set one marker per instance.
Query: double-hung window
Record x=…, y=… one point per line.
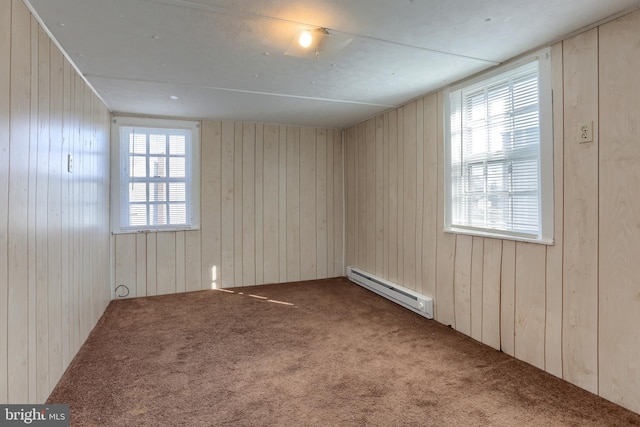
x=499, y=153
x=155, y=175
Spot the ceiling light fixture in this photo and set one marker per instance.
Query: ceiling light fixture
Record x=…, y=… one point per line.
x=305, y=39
x=317, y=43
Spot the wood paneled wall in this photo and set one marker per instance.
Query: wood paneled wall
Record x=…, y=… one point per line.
x=572, y=308
x=54, y=225
x=272, y=212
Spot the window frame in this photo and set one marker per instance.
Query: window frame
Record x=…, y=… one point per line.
x=546, y=143
x=120, y=152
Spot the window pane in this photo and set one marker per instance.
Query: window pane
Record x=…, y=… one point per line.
x=158, y=214
x=157, y=192
x=138, y=166
x=157, y=144
x=158, y=167
x=177, y=144
x=137, y=215
x=137, y=192
x=177, y=192
x=176, y=167
x=138, y=143
x=178, y=213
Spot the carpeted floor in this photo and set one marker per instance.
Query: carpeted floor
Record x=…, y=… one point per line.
x=325, y=353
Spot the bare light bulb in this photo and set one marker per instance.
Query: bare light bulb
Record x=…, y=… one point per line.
x=305, y=39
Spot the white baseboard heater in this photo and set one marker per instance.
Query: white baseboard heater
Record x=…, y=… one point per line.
x=405, y=297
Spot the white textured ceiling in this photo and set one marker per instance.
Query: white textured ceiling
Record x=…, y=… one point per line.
x=224, y=59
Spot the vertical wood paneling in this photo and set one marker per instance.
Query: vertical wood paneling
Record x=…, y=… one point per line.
x=307, y=195
x=238, y=215
x=141, y=263
x=350, y=193
x=226, y=269
x=56, y=171
x=5, y=108
x=338, y=206
x=419, y=192
x=370, y=196
x=619, y=292
x=508, y=297
x=214, y=186
x=193, y=262
x=165, y=263
x=553, y=345
x=293, y=204
x=444, y=305
x=330, y=207
x=271, y=204
x=32, y=209
x=477, y=266
x=401, y=195
x=259, y=204
x=282, y=203
x=492, y=263
x=180, y=262
x=322, y=204
x=530, y=303
x=393, y=195
x=580, y=248
x=18, y=270
x=152, y=274
x=125, y=263
x=50, y=239
x=430, y=225
x=462, y=283
x=361, y=218
x=42, y=214
x=409, y=203
x=248, y=209
x=379, y=197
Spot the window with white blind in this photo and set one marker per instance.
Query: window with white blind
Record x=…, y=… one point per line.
x=499, y=153
x=155, y=175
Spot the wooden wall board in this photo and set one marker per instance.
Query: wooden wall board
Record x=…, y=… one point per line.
x=282, y=200
x=271, y=204
x=420, y=183
x=193, y=263
x=140, y=257
x=259, y=204
x=5, y=114
x=213, y=187
x=477, y=287
x=293, y=204
x=321, y=203
x=580, y=233
x=339, y=204
x=392, y=118
x=152, y=273
x=409, y=195
x=619, y=210
x=18, y=266
x=180, y=284
x=430, y=198
x=225, y=272
x=492, y=263
x=379, y=196
x=370, y=195
x=508, y=297
x=308, y=209
x=248, y=209
x=238, y=217
x=530, y=303
x=165, y=263
x=462, y=283
x=553, y=344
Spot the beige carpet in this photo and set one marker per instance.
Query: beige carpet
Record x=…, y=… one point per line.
x=325, y=353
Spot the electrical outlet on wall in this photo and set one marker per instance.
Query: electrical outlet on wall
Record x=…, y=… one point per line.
x=585, y=133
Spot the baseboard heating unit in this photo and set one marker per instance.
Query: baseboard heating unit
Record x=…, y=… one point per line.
x=405, y=297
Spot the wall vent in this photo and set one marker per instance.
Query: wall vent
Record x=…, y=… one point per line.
x=405, y=297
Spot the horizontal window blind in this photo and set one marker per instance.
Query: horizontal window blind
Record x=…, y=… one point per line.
x=495, y=154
